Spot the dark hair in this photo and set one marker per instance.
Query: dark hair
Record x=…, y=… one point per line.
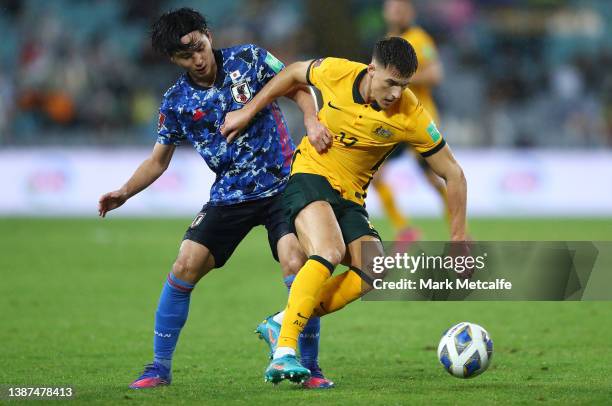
x=398, y=53
x=167, y=31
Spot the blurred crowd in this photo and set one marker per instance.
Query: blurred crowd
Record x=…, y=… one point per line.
x=518, y=73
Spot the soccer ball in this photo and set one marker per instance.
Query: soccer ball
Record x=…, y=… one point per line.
x=465, y=350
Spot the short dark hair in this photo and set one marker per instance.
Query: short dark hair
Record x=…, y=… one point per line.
x=398, y=53
x=167, y=31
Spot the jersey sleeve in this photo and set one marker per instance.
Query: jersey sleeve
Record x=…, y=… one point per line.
x=268, y=64
x=169, y=130
x=423, y=135
x=322, y=72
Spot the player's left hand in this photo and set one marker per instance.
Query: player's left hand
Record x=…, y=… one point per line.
x=318, y=135
x=235, y=122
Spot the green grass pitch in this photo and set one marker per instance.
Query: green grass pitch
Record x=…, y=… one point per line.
x=78, y=296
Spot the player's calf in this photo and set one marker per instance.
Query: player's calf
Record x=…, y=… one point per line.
x=172, y=311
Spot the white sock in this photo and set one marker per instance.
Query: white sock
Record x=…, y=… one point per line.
x=278, y=317
x=282, y=351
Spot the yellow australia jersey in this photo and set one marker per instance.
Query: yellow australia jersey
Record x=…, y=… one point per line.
x=364, y=135
x=427, y=53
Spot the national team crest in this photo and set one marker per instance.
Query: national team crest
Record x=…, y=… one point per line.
x=241, y=92
x=196, y=221
x=383, y=132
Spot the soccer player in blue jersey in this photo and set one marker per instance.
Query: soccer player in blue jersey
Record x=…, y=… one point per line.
x=251, y=174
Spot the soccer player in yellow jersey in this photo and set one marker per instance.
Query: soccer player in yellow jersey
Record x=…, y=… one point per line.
x=399, y=16
x=368, y=110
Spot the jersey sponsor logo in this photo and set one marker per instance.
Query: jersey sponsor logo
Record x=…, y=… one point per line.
x=433, y=132
x=383, y=132
x=198, y=114
x=241, y=92
x=160, y=122
x=273, y=63
x=332, y=106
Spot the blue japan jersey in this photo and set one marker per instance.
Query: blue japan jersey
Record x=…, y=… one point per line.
x=257, y=163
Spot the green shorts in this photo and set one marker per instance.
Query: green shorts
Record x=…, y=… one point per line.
x=305, y=188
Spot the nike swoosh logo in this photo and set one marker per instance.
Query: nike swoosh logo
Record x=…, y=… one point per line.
x=271, y=336
x=299, y=315
x=332, y=106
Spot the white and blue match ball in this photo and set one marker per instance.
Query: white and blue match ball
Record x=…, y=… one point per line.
x=465, y=350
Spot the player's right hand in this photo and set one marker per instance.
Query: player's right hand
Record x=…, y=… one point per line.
x=110, y=201
x=319, y=136
x=234, y=122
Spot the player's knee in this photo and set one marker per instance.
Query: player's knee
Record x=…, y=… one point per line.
x=372, y=265
x=292, y=265
x=180, y=269
x=333, y=254
x=183, y=270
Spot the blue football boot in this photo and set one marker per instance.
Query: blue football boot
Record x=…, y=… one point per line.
x=269, y=331
x=154, y=375
x=286, y=367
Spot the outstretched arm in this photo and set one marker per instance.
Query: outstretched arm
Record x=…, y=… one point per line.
x=317, y=133
x=444, y=165
x=148, y=171
x=282, y=84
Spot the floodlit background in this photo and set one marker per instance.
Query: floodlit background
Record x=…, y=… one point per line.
x=526, y=102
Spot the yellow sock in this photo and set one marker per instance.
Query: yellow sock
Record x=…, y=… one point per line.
x=304, y=290
x=337, y=292
x=388, y=202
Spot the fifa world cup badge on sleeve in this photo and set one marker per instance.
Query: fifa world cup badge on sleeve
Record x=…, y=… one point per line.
x=274, y=63
x=433, y=132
